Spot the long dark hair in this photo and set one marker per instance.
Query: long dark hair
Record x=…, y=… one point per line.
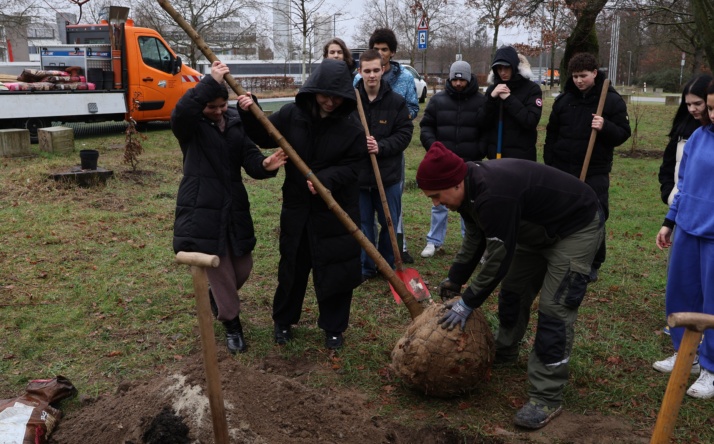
x=345, y=51
x=683, y=124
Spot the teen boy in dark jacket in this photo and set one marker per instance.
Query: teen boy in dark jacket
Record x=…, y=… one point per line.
x=390, y=131
x=520, y=101
x=571, y=122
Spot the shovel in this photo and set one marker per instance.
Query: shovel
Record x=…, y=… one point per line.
x=415, y=309
x=409, y=276
x=695, y=324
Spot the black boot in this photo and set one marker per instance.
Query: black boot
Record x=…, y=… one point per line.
x=234, y=336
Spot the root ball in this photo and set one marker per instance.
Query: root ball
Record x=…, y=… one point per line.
x=444, y=363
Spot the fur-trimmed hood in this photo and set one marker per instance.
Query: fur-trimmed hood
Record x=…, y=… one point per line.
x=518, y=62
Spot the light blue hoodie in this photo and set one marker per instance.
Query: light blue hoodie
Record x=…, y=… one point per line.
x=692, y=206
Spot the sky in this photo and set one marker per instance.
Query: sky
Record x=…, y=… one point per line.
x=351, y=10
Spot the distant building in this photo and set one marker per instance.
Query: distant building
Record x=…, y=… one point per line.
x=282, y=35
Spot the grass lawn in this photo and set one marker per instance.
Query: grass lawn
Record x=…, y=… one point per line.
x=89, y=290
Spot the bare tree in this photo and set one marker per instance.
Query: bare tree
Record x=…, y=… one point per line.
x=223, y=24
x=704, y=18
x=402, y=16
x=555, y=22
x=15, y=16
x=496, y=14
x=302, y=15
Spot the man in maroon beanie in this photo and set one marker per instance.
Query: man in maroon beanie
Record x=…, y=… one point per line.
x=542, y=228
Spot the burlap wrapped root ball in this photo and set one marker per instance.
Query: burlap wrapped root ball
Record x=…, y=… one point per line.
x=444, y=363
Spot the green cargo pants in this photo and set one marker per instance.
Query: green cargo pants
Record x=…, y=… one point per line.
x=559, y=270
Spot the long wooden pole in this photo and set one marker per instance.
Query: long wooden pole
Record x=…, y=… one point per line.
x=412, y=305
x=593, y=132
x=380, y=186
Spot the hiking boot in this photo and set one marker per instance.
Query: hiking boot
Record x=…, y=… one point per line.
x=592, y=276
x=703, y=387
x=283, y=334
x=407, y=258
x=666, y=365
x=333, y=340
x=534, y=415
x=429, y=250
x=234, y=336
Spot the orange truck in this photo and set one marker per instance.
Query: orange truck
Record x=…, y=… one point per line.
x=129, y=73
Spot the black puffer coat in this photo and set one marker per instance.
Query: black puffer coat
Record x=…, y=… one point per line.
x=450, y=118
x=333, y=148
x=521, y=111
x=212, y=207
x=570, y=125
x=388, y=119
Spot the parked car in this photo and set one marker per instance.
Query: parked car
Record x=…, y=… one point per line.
x=419, y=82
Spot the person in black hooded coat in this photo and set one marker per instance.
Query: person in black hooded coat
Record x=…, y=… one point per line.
x=212, y=207
x=318, y=127
x=521, y=102
x=571, y=123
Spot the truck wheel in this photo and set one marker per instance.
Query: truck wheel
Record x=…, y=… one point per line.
x=422, y=99
x=33, y=125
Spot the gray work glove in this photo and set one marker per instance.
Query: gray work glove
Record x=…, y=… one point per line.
x=449, y=289
x=458, y=313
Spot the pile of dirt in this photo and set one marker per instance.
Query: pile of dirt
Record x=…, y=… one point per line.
x=273, y=402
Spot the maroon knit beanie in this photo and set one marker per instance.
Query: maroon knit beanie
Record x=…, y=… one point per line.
x=440, y=169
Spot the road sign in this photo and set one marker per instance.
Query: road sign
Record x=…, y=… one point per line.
x=423, y=24
x=423, y=36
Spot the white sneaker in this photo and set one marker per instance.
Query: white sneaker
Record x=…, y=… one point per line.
x=429, y=250
x=666, y=365
x=703, y=388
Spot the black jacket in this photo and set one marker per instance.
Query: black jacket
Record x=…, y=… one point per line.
x=521, y=112
x=450, y=118
x=388, y=120
x=569, y=128
x=332, y=148
x=514, y=202
x=669, y=158
x=212, y=207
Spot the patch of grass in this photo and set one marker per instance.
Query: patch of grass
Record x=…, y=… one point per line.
x=89, y=289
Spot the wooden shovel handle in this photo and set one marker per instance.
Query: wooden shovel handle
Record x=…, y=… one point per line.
x=693, y=321
x=412, y=305
x=382, y=195
x=593, y=132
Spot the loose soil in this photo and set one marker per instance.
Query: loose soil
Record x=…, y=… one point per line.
x=274, y=402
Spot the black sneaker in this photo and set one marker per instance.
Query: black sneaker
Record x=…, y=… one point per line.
x=333, y=340
x=407, y=258
x=593, y=277
x=283, y=334
x=235, y=341
x=535, y=415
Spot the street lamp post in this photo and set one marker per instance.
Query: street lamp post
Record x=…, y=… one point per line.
x=334, y=23
x=629, y=68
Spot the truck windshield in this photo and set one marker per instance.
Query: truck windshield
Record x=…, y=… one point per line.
x=155, y=54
